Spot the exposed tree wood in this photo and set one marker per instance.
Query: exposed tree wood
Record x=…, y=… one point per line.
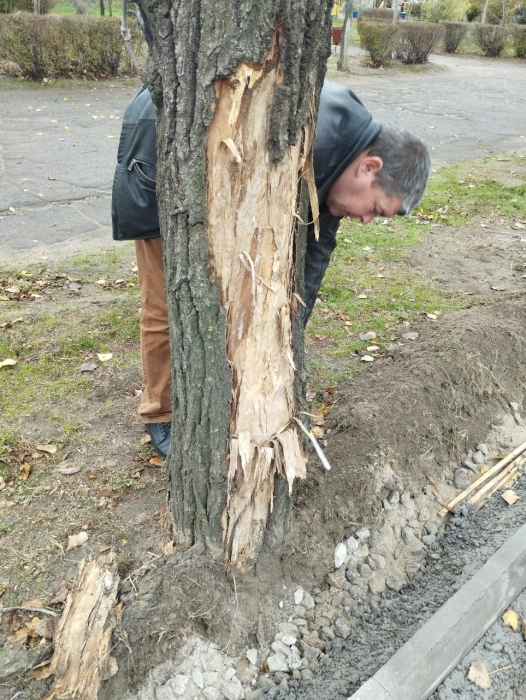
x=484, y=478
x=236, y=85
x=81, y=658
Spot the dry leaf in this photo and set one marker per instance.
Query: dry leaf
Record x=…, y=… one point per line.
x=2, y=483
x=7, y=363
x=511, y=620
x=478, y=674
x=362, y=296
x=41, y=672
x=104, y=356
x=410, y=336
x=111, y=668
x=168, y=549
x=370, y=335
x=145, y=439
x=59, y=596
x=320, y=337
x=51, y=449
x=33, y=603
x=373, y=348
x=510, y=497
x=319, y=416
x=157, y=461
x=41, y=627
x=19, y=637
x=104, y=548
x=13, y=622
x=367, y=358
x=318, y=432
x=25, y=470
x=77, y=540
x=68, y=470
x=484, y=468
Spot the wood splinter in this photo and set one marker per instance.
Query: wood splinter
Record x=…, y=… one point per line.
x=81, y=660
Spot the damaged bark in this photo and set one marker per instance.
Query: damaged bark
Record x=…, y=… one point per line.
x=236, y=86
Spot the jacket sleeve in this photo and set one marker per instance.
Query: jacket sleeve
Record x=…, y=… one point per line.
x=317, y=257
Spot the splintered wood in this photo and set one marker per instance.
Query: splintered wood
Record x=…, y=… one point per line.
x=495, y=478
x=81, y=659
x=251, y=227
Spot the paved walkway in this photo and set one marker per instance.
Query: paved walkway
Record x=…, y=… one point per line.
x=58, y=145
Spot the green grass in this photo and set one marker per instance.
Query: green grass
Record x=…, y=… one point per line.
x=51, y=342
x=66, y=8
x=370, y=260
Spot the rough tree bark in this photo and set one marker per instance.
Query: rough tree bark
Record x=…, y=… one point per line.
x=236, y=85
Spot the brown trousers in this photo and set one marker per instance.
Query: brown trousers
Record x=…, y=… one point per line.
x=155, y=343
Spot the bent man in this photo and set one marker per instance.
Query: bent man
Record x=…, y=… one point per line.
x=362, y=169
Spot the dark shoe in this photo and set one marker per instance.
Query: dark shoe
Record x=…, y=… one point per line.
x=160, y=434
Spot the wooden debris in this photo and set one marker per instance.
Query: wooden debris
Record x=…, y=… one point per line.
x=478, y=483
x=82, y=640
x=509, y=477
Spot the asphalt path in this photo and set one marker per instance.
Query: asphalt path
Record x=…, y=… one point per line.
x=58, y=145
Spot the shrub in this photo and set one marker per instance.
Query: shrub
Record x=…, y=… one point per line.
x=417, y=40
x=444, y=10
x=382, y=14
x=520, y=14
x=65, y=46
x=378, y=39
x=518, y=37
x=491, y=38
x=454, y=32
x=45, y=6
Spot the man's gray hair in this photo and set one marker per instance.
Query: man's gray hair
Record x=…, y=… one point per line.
x=406, y=165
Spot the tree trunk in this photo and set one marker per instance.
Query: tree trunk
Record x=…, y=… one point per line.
x=102, y=8
x=125, y=32
x=343, y=61
x=236, y=85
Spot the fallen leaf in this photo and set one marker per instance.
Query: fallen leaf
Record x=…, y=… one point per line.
x=510, y=497
x=41, y=672
x=13, y=622
x=362, y=296
x=319, y=416
x=320, y=337
x=101, y=282
x=370, y=335
x=145, y=439
x=511, y=620
x=68, y=470
x=50, y=449
x=7, y=363
x=372, y=348
x=318, y=432
x=24, y=471
x=484, y=468
x=478, y=674
x=410, y=336
x=104, y=548
x=88, y=367
x=2, y=483
x=58, y=596
x=157, y=461
x=497, y=289
x=367, y=358
x=19, y=637
x=104, y=356
x=433, y=317
x=33, y=603
x=2, y=591
x=111, y=668
x=523, y=629
x=77, y=540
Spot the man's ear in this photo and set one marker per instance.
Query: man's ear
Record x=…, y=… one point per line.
x=371, y=165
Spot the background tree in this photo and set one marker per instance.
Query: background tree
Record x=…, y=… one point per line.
x=236, y=84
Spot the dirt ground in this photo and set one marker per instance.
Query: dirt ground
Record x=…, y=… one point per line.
x=403, y=423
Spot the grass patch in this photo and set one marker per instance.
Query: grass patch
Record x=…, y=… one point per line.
x=370, y=287
x=52, y=323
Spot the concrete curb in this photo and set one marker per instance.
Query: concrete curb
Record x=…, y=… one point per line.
x=416, y=669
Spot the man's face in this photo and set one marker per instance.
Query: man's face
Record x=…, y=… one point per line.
x=355, y=196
